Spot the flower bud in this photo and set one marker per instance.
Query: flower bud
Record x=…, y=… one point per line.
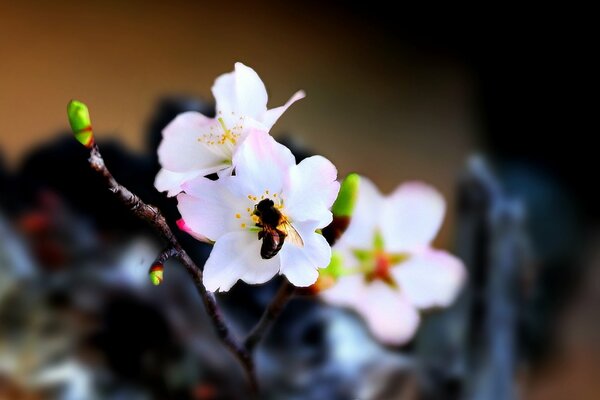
x=79, y=119
x=156, y=273
x=346, y=200
x=342, y=209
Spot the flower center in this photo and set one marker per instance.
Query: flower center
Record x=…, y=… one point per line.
x=274, y=228
x=382, y=266
x=267, y=213
x=251, y=219
x=381, y=269
x=227, y=136
x=376, y=264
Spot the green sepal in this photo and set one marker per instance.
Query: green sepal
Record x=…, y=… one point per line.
x=378, y=243
x=397, y=258
x=346, y=200
x=362, y=255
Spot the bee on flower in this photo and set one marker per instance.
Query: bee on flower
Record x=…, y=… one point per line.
x=264, y=219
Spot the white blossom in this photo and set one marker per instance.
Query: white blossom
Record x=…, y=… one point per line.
x=194, y=145
x=225, y=212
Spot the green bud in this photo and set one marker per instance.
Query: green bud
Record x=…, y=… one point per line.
x=156, y=274
x=79, y=119
x=346, y=200
x=335, y=267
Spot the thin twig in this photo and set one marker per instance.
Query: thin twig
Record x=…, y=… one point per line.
x=164, y=255
x=154, y=217
x=273, y=310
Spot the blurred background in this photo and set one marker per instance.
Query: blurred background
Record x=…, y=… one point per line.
x=485, y=108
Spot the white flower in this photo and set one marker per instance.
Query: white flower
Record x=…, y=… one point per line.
x=392, y=270
x=224, y=211
x=194, y=145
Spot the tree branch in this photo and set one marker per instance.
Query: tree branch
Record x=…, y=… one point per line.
x=164, y=255
x=273, y=310
x=154, y=217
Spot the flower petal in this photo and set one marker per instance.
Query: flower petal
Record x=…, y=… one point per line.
x=180, y=149
x=365, y=219
x=262, y=270
x=171, y=182
x=311, y=189
x=389, y=315
x=240, y=93
x=411, y=217
x=300, y=264
x=346, y=291
x=236, y=255
x=433, y=278
x=271, y=116
x=262, y=164
x=209, y=208
x=183, y=227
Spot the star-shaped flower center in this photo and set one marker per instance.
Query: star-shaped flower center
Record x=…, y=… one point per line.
x=376, y=263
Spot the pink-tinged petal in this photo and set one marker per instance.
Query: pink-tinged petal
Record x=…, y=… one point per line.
x=209, y=208
x=262, y=164
x=182, y=151
x=346, y=292
x=431, y=279
x=365, y=219
x=171, y=182
x=271, y=116
x=236, y=255
x=311, y=189
x=185, y=228
x=300, y=264
x=389, y=315
x=411, y=217
x=240, y=93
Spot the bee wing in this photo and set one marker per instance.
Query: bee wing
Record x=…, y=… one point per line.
x=292, y=234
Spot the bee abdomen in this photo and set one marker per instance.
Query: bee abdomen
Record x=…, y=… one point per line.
x=272, y=242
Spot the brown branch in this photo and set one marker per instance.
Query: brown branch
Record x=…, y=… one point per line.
x=154, y=217
x=164, y=255
x=273, y=310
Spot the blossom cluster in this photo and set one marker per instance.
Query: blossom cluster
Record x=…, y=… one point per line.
x=264, y=210
x=268, y=215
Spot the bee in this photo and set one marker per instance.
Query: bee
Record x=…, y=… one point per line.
x=275, y=228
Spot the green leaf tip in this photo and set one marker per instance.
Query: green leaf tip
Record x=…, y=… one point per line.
x=346, y=200
x=81, y=124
